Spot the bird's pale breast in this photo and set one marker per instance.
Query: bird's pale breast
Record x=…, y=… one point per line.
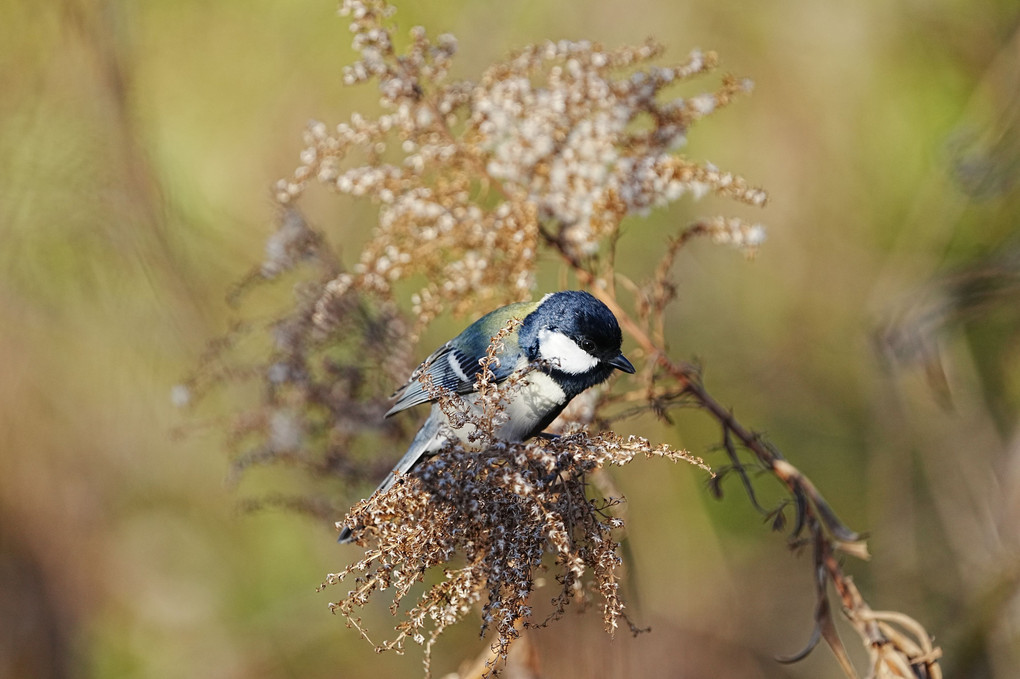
x=530, y=403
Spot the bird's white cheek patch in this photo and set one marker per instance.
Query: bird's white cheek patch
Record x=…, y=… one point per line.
x=564, y=353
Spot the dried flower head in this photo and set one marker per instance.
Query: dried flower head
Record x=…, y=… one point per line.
x=565, y=138
x=501, y=511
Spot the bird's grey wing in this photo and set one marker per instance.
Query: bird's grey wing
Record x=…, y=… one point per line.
x=454, y=365
x=447, y=368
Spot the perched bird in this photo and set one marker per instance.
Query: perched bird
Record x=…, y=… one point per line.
x=571, y=339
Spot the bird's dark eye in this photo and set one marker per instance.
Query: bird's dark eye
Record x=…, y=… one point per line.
x=587, y=345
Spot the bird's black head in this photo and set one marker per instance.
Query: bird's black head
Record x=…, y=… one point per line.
x=579, y=337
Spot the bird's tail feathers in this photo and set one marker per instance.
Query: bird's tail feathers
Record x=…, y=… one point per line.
x=426, y=442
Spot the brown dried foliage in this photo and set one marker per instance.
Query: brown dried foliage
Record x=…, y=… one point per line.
x=501, y=510
x=547, y=151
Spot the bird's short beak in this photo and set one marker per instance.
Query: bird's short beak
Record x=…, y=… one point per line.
x=621, y=363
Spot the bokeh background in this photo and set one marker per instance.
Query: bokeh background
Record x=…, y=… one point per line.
x=874, y=338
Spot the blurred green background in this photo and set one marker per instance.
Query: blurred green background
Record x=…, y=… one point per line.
x=138, y=145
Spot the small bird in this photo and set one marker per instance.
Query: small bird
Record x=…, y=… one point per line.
x=570, y=338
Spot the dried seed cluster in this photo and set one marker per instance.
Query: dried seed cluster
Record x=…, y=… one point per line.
x=565, y=136
x=500, y=510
